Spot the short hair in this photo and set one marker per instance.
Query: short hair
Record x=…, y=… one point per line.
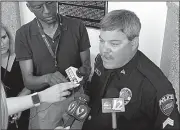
x=11, y=41
x=122, y=20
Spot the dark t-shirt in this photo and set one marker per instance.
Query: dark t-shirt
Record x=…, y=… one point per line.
x=72, y=38
x=13, y=80
x=30, y=45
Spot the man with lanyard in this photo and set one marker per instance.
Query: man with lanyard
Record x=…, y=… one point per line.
x=45, y=47
x=121, y=70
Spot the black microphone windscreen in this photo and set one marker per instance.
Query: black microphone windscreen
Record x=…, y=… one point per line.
x=78, y=108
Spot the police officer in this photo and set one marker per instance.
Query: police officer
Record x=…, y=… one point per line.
x=121, y=70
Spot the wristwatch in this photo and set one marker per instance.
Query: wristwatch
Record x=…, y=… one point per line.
x=35, y=99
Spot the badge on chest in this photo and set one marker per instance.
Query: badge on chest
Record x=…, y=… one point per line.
x=126, y=94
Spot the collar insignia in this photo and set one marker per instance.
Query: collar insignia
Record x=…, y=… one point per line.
x=97, y=72
x=123, y=71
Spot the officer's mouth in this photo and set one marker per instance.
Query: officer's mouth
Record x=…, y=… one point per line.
x=107, y=58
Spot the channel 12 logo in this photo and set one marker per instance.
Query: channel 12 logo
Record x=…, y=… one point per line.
x=113, y=105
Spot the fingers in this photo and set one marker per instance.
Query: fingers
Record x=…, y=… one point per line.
x=58, y=128
x=62, y=98
x=67, y=85
x=67, y=128
x=59, y=77
x=64, y=79
x=62, y=128
x=16, y=116
x=19, y=115
x=54, y=80
x=65, y=93
x=83, y=71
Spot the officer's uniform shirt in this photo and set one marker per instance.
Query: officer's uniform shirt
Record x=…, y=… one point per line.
x=149, y=97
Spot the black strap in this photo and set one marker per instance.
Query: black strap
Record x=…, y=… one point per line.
x=47, y=42
x=6, y=87
x=6, y=68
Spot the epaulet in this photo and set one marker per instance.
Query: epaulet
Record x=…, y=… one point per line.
x=153, y=74
x=97, y=57
x=98, y=60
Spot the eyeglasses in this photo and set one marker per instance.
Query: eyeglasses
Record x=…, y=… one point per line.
x=40, y=7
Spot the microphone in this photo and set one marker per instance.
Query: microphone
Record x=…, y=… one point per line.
x=112, y=104
x=78, y=110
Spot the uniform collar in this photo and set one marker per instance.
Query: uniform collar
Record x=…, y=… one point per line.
x=35, y=30
x=127, y=69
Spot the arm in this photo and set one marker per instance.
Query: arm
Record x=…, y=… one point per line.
x=24, y=92
x=161, y=107
x=168, y=117
x=24, y=56
x=53, y=94
x=39, y=82
x=16, y=104
x=85, y=58
x=32, y=82
x=84, y=47
x=86, y=61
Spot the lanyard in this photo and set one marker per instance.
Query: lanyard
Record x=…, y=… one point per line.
x=53, y=54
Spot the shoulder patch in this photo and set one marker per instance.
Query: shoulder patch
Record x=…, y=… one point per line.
x=166, y=104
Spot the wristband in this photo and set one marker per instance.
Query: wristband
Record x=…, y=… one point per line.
x=35, y=99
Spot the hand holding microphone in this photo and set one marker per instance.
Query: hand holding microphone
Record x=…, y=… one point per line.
x=84, y=72
x=77, y=110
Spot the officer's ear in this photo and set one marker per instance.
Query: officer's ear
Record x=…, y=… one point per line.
x=135, y=43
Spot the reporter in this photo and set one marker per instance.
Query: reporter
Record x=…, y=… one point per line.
x=13, y=105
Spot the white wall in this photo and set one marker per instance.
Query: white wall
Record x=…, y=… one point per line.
x=151, y=14
x=25, y=14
